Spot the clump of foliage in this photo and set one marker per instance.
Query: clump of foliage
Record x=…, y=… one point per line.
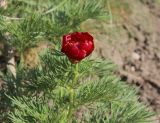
x=58, y=91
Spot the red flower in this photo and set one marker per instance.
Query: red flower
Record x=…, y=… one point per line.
x=77, y=45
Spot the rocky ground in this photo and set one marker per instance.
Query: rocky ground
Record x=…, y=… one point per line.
x=133, y=43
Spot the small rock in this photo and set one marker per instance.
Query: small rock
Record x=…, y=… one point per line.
x=135, y=56
x=133, y=68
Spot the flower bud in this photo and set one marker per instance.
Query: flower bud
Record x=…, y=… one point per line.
x=77, y=46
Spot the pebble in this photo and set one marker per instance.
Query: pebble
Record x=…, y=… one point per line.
x=135, y=56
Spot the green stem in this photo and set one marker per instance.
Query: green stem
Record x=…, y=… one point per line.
x=75, y=75
x=71, y=105
x=72, y=94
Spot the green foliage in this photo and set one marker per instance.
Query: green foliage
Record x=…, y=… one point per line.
x=57, y=90
x=26, y=33
x=106, y=98
x=47, y=20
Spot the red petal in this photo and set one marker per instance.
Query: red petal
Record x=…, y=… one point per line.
x=78, y=37
x=91, y=47
x=85, y=46
x=66, y=39
x=87, y=36
x=88, y=46
x=71, y=50
x=74, y=36
x=81, y=55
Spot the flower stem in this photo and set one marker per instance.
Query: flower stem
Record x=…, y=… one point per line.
x=72, y=93
x=75, y=75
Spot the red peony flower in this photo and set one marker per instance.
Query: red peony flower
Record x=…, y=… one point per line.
x=77, y=45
